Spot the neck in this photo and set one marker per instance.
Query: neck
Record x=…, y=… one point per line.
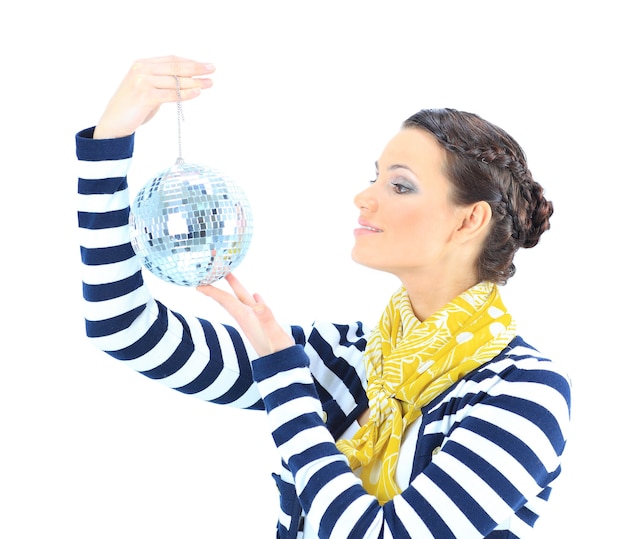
x=429, y=296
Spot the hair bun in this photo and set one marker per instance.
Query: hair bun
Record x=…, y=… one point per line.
x=537, y=218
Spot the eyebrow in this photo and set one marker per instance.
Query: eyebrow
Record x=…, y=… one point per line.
x=395, y=166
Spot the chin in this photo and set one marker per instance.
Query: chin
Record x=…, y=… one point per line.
x=364, y=261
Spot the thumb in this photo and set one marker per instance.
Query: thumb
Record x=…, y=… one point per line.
x=278, y=338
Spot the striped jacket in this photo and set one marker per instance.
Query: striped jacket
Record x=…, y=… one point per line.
x=478, y=463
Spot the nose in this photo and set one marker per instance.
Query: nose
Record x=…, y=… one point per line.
x=365, y=200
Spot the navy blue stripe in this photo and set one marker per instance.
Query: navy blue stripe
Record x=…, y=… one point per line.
x=365, y=521
x=214, y=367
x=396, y=526
x=315, y=452
x=258, y=405
x=106, y=255
x=339, y=366
x=318, y=480
x=339, y=505
x=100, y=221
x=177, y=359
x=343, y=330
x=88, y=149
x=103, y=328
x=289, y=429
x=282, y=395
x=103, y=292
x=488, y=473
x=460, y=497
x=544, y=377
x=298, y=335
x=545, y=493
x=273, y=364
x=244, y=380
x=103, y=186
x=431, y=518
x=510, y=443
x=528, y=516
x=173, y=364
x=148, y=341
x=537, y=414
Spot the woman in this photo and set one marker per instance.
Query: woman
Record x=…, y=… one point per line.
x=441, y=421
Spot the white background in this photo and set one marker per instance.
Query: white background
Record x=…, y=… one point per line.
x=306, y=95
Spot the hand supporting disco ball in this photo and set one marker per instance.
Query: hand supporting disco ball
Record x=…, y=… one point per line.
x=191, y=225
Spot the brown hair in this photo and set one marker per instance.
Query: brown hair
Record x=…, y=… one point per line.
x=485, y=163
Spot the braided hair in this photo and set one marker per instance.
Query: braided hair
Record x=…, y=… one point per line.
x=485, y=163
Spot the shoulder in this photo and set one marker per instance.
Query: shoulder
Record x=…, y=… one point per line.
x=521, y=362
x=520, y=380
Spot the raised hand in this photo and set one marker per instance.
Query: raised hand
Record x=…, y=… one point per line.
x=253, y=316
x=148, y=84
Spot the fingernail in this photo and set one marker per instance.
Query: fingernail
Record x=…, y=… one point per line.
x=259, y=308
x=210, y=67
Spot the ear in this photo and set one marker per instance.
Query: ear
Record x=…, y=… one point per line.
x=475, y=220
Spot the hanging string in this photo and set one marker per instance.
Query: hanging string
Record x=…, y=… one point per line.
x=181, y=118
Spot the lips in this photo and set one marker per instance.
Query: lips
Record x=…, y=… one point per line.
x=368, y=226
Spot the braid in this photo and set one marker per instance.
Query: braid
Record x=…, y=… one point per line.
x=485, y=163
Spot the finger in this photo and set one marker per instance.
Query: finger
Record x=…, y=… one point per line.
x=240, y=291
x=168, y=82
x=277, y=338
x=172, y=65
x=224, y=298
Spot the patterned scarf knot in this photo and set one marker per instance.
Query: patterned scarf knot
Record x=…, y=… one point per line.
x=409, y=363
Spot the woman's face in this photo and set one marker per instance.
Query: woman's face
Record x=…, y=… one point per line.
x=407, y=220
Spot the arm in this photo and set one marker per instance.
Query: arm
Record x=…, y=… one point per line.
x=209, y=361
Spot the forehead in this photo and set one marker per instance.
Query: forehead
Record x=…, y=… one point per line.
x=416, y=148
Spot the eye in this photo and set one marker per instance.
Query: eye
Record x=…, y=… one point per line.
x=401, y=188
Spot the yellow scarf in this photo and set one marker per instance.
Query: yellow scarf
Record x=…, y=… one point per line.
x=409, y=363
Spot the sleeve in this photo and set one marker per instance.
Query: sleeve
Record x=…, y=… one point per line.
x=209, y=361
x=503, y=452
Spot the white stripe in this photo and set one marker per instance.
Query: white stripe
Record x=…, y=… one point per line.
x=474, y=485
x=96, y=170
x=542, y=395
x=352, y=514
x=296, y=375
x=162, y=350
x=229, y=374
x=410, y=519
x=352, y=355
x=525, y=430
x=130, y=335
x=447, y=510
x=103, y=310
x=305, y=473
x=519, y=528
x=499, y=459
x=303, y=440
x=250, y=397
x=198, y=360
x=329, y=380
x=110, y=273
x=102, y=203
x=293, y=408
x=326, y=495
x=107, y=237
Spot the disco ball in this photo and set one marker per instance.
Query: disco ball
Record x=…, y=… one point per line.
x=190, y=225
